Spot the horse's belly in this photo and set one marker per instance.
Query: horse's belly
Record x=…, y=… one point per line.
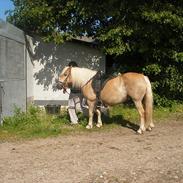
x=113, y=95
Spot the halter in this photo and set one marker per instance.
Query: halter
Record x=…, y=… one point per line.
x=65, y=80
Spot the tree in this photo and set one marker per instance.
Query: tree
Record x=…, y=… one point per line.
x=148, y=32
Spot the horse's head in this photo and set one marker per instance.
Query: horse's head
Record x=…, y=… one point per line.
x=74, y=77
x=64, y=80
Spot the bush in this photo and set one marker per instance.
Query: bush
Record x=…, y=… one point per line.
x=34, y=122
x=37, y=123
x=21, y=118
x=166, y=79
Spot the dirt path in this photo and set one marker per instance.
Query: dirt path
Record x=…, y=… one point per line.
x=99, y=157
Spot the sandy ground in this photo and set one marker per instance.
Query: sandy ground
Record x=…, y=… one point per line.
x=118, y=155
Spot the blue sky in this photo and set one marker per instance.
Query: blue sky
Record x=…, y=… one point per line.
x=5, y=5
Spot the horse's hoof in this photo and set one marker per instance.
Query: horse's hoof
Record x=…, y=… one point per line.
x=139, y=131
x=98, y=125
x=149, y=128
x=152, y=125
x=88, y=127
x=143, y=129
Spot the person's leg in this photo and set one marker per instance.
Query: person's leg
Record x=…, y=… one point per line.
x=84, y=107
x=72, y=110
x=78, y=100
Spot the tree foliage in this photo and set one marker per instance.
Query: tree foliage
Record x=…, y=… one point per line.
x=144, y=36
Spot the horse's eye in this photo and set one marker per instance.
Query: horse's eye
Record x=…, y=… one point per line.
x=65, y=74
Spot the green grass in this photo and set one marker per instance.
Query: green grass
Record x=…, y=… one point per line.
x=130, y=113
x=37, y=124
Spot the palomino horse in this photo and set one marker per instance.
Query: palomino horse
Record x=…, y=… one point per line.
x=115, y=91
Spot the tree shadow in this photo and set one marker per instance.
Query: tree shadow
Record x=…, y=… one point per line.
x=49, y=59
x=119, y=120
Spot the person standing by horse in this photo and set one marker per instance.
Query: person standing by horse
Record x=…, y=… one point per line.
x=75, y=99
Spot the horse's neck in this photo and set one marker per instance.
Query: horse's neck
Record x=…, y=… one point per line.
x=80, y=76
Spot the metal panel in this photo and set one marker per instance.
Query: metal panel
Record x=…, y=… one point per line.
x=1, y=100
x=11, y=32
x=15, y=60
x=2, y=57
x=12, y=69
x=14, y=95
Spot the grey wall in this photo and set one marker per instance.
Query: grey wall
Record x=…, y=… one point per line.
x=12, y=68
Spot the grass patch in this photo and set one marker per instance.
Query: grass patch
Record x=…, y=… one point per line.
x=129, y=113
x=35, y=123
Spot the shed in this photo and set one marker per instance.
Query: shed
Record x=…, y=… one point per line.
x=12, y=69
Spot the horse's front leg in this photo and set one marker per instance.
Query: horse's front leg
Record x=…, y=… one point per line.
x=99, y=122
x=91, y=106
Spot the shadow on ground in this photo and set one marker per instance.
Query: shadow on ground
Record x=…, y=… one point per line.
x=119, y=120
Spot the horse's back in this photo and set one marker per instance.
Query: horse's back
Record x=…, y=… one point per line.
x=114, y=91
x=133, y=78
x=117, y=90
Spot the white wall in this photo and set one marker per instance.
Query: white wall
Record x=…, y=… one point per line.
x=30, y=83
x=46, y=61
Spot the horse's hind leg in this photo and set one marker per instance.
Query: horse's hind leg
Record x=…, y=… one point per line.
x=151, y=126
x=99, y=122
x=141, y=112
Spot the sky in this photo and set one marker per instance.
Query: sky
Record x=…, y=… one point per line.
x=5, y=5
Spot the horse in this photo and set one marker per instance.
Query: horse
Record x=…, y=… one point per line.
x=115, y=91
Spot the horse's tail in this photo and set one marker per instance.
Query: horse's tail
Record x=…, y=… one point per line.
x=148, y=104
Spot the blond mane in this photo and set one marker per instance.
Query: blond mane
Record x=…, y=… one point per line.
x=80, y=76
